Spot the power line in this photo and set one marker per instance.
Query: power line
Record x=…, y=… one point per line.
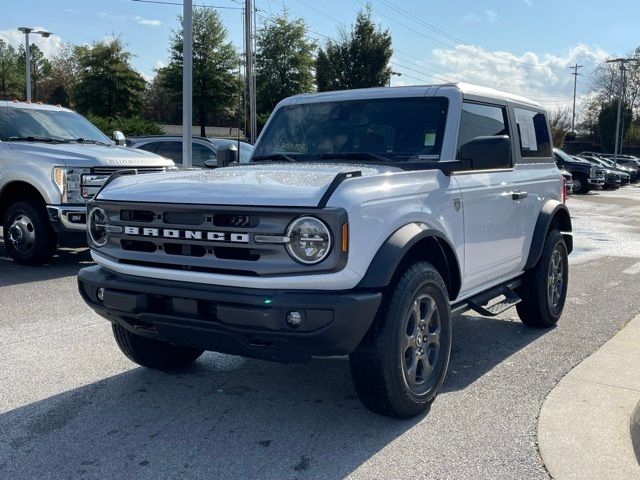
x=438, y=31
x=163, y=2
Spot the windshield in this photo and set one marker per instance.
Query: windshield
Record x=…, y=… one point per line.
x=396, y=129
x=40, y=124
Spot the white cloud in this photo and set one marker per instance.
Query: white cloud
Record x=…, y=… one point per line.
x=160, y=64
x=528, y=2
x=49, y=46
x=543, y=77
x=147, y=21
x=488, y=16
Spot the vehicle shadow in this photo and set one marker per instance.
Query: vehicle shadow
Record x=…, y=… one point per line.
x=66, y=262
x=226, y=417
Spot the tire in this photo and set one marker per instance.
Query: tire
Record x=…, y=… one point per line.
x=544, y=289
x=28, y=235
x=388, y=370
x=580, y=184
x=155, y=354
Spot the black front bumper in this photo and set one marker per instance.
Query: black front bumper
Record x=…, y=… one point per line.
x=233, y=320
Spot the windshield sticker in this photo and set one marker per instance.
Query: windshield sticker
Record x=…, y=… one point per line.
x=527, y=131
x=429, y=138
x=428, y=157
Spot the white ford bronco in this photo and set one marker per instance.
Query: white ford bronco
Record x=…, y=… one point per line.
x=366, y=220
x=52, y=161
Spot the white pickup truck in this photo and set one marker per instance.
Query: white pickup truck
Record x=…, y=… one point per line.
x=52, y=161
x=366, y=220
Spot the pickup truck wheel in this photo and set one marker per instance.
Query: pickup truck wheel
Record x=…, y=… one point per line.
x=580, y=184
x=544, y=290
x=28, y=236
x=153, y=353
x=400, y=365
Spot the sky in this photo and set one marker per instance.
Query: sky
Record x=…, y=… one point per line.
x=521, y=46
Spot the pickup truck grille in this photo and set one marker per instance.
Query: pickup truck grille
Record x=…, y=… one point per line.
x=92, y=182
x=214, y=239
x=110, y=170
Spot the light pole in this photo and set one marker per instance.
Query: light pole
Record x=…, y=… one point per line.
x=187, y=81
x=622, y=62
x=575, y=82
x=391, y=74
x=27, y=54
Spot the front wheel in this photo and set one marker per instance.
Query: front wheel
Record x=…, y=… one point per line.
x=28, y=236
x=400, y=365
x=544, y=288
x=580, y=184
x=151, y=353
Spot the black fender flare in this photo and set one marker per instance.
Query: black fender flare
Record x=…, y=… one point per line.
x=553, y=213
x=391, y=253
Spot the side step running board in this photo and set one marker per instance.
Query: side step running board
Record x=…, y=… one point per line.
x=485, y=304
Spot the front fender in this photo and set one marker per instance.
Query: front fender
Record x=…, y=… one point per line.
x=397, y=246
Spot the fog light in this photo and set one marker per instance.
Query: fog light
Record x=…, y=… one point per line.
x=294, y=319
x=100, y=294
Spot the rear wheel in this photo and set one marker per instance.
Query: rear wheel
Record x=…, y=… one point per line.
x=28, y=236
x=544, y=290
x=400, y=365
x=151, y=353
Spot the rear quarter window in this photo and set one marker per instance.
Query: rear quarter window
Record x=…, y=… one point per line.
x=535, y=140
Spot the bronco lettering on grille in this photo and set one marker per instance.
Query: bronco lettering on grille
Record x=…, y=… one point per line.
x=188, y=234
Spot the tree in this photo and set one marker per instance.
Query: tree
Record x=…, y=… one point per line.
x=284, y=61
x=11, y=79
x=607, y=123
x=216, y=88
x=108, y=86
x=560, y=122
x=360, y=59
x=60, y=86
x=157, y=104
x=40, y=67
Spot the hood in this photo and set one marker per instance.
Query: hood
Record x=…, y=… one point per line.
x=301, y=185
x=89, y=155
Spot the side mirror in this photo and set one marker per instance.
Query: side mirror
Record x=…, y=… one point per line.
x=118, y=138
x=487, y=152
x=226, y=155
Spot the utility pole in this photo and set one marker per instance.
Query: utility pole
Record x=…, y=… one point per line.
x=622, y=62
x=187, y=81
x=575, y=82
x=250, y=82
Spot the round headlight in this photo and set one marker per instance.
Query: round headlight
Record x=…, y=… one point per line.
x=309, y=240
x=97, y=225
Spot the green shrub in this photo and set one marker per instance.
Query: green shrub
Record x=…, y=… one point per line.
x=128, y=126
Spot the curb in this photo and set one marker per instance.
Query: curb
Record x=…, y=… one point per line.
x=635, y=431
x=588, y=420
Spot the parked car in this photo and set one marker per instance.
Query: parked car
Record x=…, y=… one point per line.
x=625, y=177
x=365, y=221
x=631, y=171
x=613, y=178
x=624, y=161
x=52, y=161
x=586, y=176
x=203, y=149
x=568, y=180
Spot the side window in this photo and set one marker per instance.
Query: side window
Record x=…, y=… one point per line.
x=481, y=120
x=171, y=150
x=200, y=154
x=149, y=147
x=535, y=140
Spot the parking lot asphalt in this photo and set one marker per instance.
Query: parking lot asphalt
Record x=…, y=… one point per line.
x=72, y=406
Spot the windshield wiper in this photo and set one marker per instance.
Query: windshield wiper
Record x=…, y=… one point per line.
x=357, y=156
x=31, y=138
x=84, y=140
x=273, y=157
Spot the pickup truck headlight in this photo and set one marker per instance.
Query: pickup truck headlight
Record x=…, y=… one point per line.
x=69, y=180
x=97, y=226
x=309, y=240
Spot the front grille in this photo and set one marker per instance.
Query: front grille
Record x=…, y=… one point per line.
x=213, y=239
x=110, y=170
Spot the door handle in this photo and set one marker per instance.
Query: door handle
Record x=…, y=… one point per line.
x=519, y=195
